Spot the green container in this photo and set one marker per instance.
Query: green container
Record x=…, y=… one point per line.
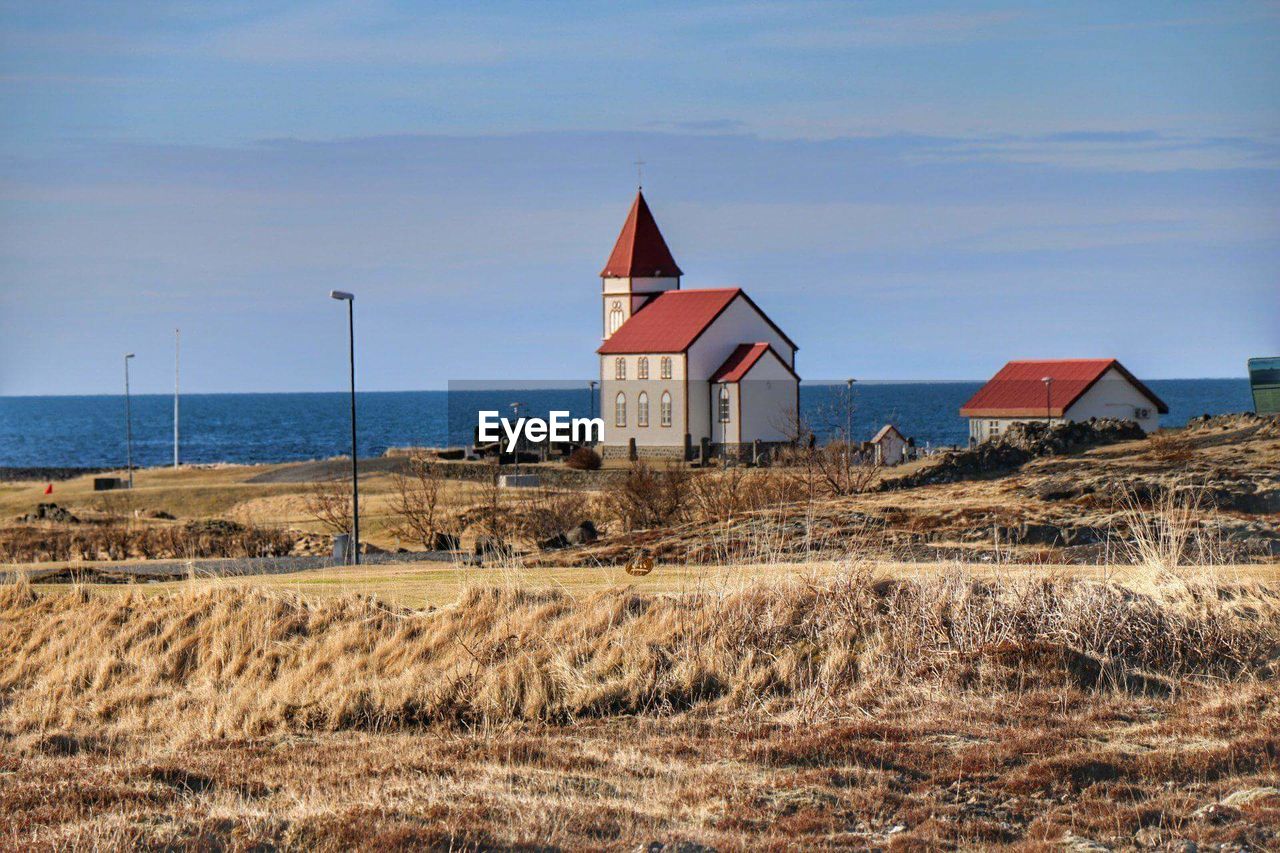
x=1264, y=379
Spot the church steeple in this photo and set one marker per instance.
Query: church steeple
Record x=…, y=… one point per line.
x=640, y=251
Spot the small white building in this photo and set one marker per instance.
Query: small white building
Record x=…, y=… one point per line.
x=680, y=366
x=889, y=446
x=1074, y=389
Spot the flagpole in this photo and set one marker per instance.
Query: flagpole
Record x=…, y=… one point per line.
x=177, y=348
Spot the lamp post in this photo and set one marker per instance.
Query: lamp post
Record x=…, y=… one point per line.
x=515, y=455
x=1048, y=400
x=591, y=390
x=848, y=421
x=128, y=421
x=349, y=298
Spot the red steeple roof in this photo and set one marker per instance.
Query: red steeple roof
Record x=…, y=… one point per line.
x=640, y=251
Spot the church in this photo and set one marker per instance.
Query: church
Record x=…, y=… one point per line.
x=686, y=372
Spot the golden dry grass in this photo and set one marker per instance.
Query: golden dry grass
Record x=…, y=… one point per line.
x=839, y=711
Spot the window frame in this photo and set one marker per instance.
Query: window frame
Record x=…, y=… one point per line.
x=620, y=410
x=664, y=367
x=722, y=408
x=620, y=369
x=642, y=367
x=664, y=409
x=642, y=410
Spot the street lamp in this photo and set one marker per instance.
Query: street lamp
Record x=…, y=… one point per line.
x=848, y=420
x=349, y=298
x=591, y=390
x=128, y=421
x=515, y=456
x=1048, y=400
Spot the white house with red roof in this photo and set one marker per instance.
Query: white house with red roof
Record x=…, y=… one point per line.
x=680, y=366
x=1056, y=390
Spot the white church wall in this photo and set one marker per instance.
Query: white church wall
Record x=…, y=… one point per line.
x=768, y=402
x=739, y=323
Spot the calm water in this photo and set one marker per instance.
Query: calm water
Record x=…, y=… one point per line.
x=89, y=431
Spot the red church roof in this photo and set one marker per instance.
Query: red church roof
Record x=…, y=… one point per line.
x=1018, y=390
x=670, y=322
x=640, y=251
x=741, y=360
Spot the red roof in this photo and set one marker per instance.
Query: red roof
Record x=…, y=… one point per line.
x=1018, y=390
x=742, y=359
x=640, y=251
x=670, y=322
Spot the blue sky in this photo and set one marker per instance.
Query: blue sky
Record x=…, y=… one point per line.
x=912, y=190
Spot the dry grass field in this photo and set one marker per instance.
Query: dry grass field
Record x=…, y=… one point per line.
x=841, y=710
x=1082, y=653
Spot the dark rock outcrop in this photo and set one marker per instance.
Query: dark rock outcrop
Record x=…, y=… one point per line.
x=1019, y=444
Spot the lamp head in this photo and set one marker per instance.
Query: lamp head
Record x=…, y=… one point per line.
x=128, y=355
x=342, y=295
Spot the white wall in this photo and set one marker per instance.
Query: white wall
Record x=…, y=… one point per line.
x=654, y=435
x=1113, y=396
x=768, y=402
x=621, y=290
x=738, y=324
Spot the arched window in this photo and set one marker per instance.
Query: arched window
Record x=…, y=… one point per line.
x=615, y=317
x=665, y=412
x=665, y=367
x=619, y=368
x=620, y=410
x=724, y=404
x=642, y=410
x=642, y=368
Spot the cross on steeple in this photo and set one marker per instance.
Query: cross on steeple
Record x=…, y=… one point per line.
x=640, y=174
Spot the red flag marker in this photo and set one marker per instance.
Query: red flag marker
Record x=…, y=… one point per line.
x=49, y=489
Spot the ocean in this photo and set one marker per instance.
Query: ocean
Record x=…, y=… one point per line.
x=246, y=428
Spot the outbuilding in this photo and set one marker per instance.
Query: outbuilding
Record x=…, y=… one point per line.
x=1057, y=390
x=889, y=446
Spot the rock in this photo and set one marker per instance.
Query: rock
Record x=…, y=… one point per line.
x=1249, y=796
x=1077, y=844
x=1148, y=836
x=554, y=542
x=50, y=512
x=584, y=534
x=1016, y=446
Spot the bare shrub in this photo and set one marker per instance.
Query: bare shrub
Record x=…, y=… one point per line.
x=648, y=497
x=835, y=469
x=724, y=495
x=549, y=513
x=420, y=504
x=583, y=459
x=328, y=502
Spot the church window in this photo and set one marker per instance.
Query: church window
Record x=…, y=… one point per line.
x=615, y=317
x=724, y=404
x=665, y=367
x=619, y=368
x=642, y=410
x=642, y=368
x=665, y=412
x=620, y=410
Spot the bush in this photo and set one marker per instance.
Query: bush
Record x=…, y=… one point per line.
x=648, y=497
x=583, y=459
